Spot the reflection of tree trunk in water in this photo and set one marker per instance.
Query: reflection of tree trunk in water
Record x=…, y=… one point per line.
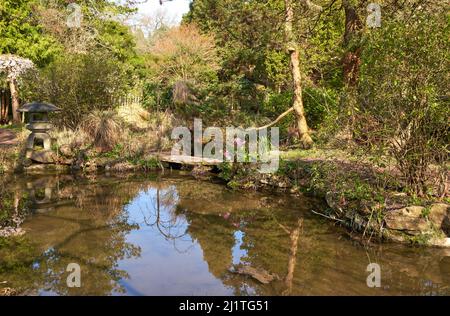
x=16, y=217
x=160, y=226
x=294, y=236
x=16, y=203
x=303, y=130
x=158, y=212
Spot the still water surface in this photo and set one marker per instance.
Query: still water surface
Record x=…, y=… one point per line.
x=173, y=235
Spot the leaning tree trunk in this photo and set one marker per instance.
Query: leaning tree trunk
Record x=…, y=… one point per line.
x=302, y=125
x=15, y=100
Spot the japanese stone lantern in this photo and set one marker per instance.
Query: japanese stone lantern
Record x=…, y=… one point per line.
x=39, y=125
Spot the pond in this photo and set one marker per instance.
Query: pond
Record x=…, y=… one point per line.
x=169, y=234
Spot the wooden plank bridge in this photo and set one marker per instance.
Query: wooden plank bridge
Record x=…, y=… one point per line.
x=187, y=160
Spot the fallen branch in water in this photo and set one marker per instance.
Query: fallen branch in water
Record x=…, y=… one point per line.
x=260, y=275
x=329, y=217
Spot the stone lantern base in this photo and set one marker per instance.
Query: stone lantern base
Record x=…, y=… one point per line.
x=31, y=139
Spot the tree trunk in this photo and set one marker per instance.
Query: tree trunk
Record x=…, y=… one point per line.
x=3, y=109
x=352, y=58
x=15, y=100
x=8, y=102
x=303, y=130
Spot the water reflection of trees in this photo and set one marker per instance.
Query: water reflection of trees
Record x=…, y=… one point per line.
x=308, y=256
x=81, y=221
x=270, y=241
x=210, y=215
x=218, y=241
x=160, y=212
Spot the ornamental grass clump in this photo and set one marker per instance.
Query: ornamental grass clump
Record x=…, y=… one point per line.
x=105, y=128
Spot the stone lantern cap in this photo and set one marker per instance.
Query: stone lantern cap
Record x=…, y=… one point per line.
x=38, y=107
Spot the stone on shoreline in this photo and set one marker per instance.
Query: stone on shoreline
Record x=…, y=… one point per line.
x=408, y=219
x=44, y=156
x=440, y=217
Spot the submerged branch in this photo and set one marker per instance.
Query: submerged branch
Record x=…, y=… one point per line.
x=326, y=216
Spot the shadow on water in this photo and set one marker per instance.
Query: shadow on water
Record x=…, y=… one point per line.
x=172, y=235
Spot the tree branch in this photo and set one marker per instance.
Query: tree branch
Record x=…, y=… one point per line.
x=276, y=121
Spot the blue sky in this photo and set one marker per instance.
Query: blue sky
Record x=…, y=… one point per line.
x=174, y=9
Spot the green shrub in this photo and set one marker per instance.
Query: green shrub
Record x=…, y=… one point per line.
x=402, y=103
x=321, y=104
x=78, y=84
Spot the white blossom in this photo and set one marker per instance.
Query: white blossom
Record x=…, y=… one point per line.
x=14, y=66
